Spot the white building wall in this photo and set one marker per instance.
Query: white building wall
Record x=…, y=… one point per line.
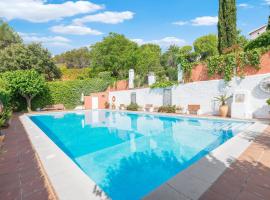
x=201, y=93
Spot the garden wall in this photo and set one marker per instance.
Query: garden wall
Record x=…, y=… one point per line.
x=199, y=73
x=202, y=93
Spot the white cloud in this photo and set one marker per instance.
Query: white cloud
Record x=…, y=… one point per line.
x=74, y=30
x=267, y=2
x=204, y=21
x=164, y=42
x=180, y=23
x=46, y=40
x=39, y=11
x=106, y=17
x=243, y=5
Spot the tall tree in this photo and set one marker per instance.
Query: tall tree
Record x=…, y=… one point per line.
x=115, y=53
x=268, y=25
x=227, y=30
x=7, y=35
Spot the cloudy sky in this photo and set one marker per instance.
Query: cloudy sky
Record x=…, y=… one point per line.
x=62, y=25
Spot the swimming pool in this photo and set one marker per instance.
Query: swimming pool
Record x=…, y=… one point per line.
x=127, y=154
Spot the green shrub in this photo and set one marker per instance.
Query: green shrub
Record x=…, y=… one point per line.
x=268, y=102
x=133, y=107
x=167, y=109
x=163, y=84
x=262, y=41
x=68, y=92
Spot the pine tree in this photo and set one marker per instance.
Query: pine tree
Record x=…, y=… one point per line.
x=268, y=26
x=227, y=30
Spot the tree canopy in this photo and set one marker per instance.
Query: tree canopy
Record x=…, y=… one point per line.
x=19, y=56
x=76, y=58
x=26, y=83
x=206, y=45
x=114, y=53
x=7, y=35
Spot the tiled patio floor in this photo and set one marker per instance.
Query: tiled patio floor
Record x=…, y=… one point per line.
x=20, y=175
x=248, y=178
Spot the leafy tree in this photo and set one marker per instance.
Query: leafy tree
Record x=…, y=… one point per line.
x=32, y=56
x=26, y=83
x=206, y=46
x=114, y=53
x=76, y=58
x=7, y=35
x=169, y=58
x=148, y=60
x=241, y=40
x=227, y=31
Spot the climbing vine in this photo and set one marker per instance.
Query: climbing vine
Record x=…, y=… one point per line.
x=224, y=64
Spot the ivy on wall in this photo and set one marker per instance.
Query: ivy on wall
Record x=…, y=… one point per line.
x=225, y=64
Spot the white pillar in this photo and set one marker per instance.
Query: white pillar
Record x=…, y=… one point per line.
x=131, y=78
x=179, y=73
x=151, y=78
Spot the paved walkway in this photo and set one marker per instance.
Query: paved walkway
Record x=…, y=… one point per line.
x=21, y=177
x=248, y=178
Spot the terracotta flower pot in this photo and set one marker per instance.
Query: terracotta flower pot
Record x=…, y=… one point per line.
x=223, y=110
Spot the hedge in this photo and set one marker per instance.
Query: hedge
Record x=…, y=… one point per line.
x=68, y=92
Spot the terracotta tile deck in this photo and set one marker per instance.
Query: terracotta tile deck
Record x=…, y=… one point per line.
x=248, y=178
x=21, y=176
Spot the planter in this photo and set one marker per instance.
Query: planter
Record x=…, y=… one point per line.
x=223, y=110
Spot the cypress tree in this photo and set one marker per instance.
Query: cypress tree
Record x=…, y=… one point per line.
x=268, y=26
x=227, y=30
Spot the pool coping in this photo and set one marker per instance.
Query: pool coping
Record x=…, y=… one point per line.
x=71, y=182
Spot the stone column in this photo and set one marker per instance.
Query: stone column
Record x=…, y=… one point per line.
x=131, y=78
x=179, y=74
x=151, y=78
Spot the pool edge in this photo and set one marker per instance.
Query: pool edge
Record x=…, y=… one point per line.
x=69, y=182
x=195, y=185
x=194, y=181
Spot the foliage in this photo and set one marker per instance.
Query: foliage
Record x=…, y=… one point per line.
x=148, y=58
x=25, y=83
x=24, y=57
x=8, y=36
x=206, y=46
x=170, y=57
x=171, y=73
x=225, y=64
x=222, y=99
x=268, y=102
x=241, y=40
x=227, y=31
x=76, y=58
x=268, y=24
x=5, y=99
x=114, y=53
x=133, y=107
x=167, y=109
x=74, y=73
x=163, y=84
x=262, y=41
x=68, y=92
x=106, y=75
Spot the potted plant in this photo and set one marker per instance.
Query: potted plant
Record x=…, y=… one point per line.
x=223, y=108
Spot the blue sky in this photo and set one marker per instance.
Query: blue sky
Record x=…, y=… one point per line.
x=62, y=25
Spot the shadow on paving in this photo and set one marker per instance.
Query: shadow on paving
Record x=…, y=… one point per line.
x=248, y=178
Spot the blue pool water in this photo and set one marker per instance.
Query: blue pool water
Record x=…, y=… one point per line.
x=129, y=155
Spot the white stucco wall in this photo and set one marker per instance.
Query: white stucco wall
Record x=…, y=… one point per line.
x=201, y=93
